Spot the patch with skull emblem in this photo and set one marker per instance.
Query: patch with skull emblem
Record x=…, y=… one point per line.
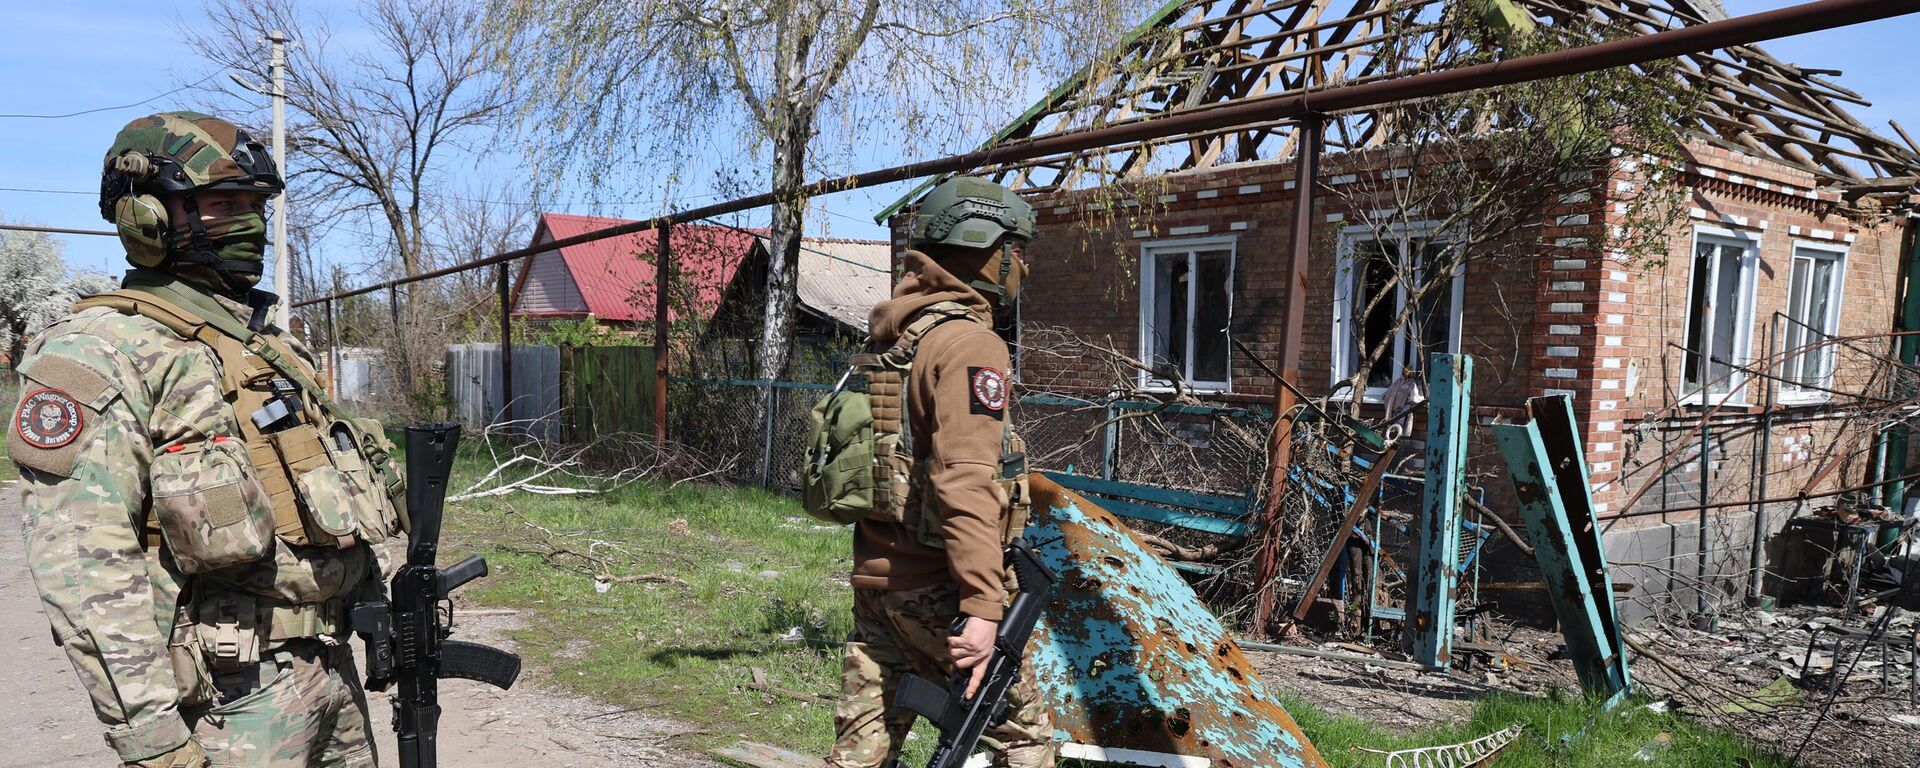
x=48, y=418
x=989, y=391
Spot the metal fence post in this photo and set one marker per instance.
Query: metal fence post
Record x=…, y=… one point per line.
x=662, y=280
x=333, y=355
x=769, y=404
x=1311, y=133
x=506, y=346
x=1109, y=442
x=1450, y=384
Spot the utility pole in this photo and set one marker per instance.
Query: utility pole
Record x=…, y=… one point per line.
x=282, y=264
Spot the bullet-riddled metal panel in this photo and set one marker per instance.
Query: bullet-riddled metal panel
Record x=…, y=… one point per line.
x=1550, y=480
x=1449, y=384
x=1130, y=658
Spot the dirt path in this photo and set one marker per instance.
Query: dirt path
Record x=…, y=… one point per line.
x=51, y=724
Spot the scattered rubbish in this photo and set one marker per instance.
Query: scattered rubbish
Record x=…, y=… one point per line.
x=1905, y=719
x=794, y=634
x=1662, y=706
x=601, y=586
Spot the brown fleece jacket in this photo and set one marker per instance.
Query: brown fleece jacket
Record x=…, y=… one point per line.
x=961, y=457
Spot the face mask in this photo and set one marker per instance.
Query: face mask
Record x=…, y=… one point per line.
x=233, y=246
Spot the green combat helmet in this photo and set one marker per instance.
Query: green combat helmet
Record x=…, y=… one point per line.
x=970, y=212
x=182, y=153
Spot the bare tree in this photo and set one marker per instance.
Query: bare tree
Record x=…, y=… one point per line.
x=647, y=80
x=377, y=132
x=374, y=131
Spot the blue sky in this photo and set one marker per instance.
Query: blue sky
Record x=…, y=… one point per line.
x=68, y=57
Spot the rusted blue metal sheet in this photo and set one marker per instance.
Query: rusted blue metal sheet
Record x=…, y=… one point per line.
x=1549, y=471
x=1130, y=658
x=1437, y=557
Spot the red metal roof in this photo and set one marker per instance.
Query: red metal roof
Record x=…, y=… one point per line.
x=616, y=275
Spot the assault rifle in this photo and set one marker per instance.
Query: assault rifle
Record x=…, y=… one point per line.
x=961, y=721
x=407, y=639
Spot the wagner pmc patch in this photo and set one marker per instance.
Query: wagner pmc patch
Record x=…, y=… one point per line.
x=63, y=397
x=989, y=391
x=48, y=419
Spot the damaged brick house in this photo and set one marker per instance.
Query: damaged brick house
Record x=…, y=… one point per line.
x=1793, y=229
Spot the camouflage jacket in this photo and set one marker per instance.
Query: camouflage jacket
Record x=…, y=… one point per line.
x=101, y=394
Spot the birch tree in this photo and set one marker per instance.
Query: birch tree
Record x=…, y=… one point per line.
x=656, y=86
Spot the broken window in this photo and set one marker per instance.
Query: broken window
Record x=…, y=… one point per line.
x=1813, y=316
x=1186, y=299
x=1394, y=305
x=1719, y=312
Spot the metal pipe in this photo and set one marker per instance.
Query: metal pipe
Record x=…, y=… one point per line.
x=506, y=343
x=662, y=279
x=333, y=355
x=1776, y=340
x=59, y=230
x=1753, y=28
x=1702, y=606
x=1280, y=446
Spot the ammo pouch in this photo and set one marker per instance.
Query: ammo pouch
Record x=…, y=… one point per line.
x=212, y=511
x=235, y=630
x=190, y=672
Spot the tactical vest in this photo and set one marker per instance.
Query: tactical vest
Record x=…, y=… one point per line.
x=876, y=388
x=316, y=470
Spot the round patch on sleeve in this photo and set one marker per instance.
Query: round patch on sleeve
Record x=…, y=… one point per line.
x=989, y=389
x=48, y=418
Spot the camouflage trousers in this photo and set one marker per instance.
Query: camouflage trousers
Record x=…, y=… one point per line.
x=905, y=632
x=300, y=706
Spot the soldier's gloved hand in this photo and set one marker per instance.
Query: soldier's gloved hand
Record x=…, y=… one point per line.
x=188, y=755
x=972, y=648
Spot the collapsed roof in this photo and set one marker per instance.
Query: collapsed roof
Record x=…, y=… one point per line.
x=1193, y=53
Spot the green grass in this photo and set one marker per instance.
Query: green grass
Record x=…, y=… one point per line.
x=688, y=652
x=1559, y=731
x=753, y=569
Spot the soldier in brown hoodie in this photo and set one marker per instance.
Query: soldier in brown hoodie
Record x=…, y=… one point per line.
x=912, y=578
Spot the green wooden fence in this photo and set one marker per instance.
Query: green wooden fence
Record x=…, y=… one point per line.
x=606, y=390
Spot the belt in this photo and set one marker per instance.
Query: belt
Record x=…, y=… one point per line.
x=290, y=622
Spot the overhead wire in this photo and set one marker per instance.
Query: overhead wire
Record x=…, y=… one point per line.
x=140, y=103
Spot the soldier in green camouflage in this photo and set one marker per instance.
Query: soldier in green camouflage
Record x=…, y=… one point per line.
x=197, y=565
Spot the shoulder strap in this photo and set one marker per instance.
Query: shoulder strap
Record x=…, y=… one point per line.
x=923, y=322
x=196, y=317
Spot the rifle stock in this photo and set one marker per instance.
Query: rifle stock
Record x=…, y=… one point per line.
x=961, y=721
x=406, y=636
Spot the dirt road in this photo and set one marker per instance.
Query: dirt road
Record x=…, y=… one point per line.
x=49, y=722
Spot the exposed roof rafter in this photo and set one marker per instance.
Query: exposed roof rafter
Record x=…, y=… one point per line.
x=1193, y=53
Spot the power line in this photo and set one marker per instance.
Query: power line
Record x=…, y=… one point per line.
x=141, y=103
x=47, y=191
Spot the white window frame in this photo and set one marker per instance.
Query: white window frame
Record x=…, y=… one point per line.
x=1792, y=393
x=1150, y=254
x=1736, y=393
x=1343, y=297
